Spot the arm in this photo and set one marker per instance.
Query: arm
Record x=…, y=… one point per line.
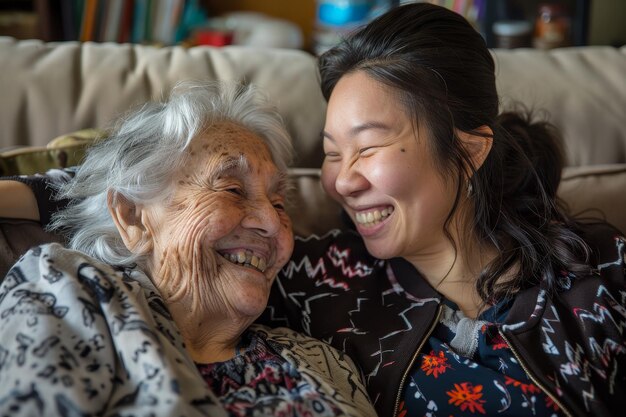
x=18, y=201
x=32, y=197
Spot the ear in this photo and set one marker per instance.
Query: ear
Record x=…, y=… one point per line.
x=477, y=146
x=128, y=218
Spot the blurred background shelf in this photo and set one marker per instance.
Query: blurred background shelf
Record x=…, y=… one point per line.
x=593, y=22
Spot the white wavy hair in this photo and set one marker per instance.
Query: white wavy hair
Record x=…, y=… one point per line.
x=145, y=149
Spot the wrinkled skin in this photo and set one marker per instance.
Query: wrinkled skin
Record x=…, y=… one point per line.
x=220, y=205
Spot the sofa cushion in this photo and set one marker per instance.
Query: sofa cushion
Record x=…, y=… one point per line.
x=580, y=90
x=596, y=192
x=52, y=88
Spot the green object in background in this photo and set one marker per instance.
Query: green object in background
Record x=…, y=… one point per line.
x=62, y=152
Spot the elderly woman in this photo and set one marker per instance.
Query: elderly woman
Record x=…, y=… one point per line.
x=177, y=233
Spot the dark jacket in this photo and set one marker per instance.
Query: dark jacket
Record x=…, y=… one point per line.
x=572, y=343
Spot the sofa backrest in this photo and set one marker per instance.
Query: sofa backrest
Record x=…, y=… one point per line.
x=50, y=89
x=581, y=90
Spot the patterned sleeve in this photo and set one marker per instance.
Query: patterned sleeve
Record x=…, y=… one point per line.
x=80, y=339
x=44, y=187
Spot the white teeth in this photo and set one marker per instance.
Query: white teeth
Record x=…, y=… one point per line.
x=247, y=258
x=372, y=217
x=241, y=257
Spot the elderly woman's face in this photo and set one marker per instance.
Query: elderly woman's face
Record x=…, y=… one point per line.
x=220, y=241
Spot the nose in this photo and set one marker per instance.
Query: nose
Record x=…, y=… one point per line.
x=350, y=181
x=262, y=217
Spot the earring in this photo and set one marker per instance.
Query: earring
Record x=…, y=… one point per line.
x=470, y=189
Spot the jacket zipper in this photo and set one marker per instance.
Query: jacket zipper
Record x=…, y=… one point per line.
x=533, y=378
x=419, y=348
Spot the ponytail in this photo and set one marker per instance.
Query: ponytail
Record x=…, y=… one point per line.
x=517, y=210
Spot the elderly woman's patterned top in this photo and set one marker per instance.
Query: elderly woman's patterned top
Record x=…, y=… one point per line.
x=81, y=338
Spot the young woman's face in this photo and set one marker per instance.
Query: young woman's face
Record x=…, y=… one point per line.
x=225, y=234
x=381, y=170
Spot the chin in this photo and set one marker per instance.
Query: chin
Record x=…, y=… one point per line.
x=379, y=250
x=252, y=311
x=252, y=303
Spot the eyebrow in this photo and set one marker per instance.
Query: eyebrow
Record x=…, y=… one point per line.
x=231, y=165
x=356, y=130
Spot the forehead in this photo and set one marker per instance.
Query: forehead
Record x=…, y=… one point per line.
x=227, y=138
x=224, y=142
x=358, y=98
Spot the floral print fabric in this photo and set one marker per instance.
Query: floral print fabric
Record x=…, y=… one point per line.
x=466, y=368
x=268, y=378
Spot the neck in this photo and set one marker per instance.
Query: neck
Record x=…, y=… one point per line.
x=453, y=273
x=209, y=336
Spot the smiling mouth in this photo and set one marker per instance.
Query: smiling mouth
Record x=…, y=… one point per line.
x=370, y=218
x=247, y=259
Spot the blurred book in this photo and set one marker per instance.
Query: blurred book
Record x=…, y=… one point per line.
x=139, y=21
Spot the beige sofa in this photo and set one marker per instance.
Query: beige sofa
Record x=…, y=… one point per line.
x=52, y=89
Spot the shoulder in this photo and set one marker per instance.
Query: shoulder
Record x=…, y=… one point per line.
x=334, y=246
x=608, y=254
x=298, y=348
x=605, y=241
x=327, y=369
x=74, y=278
x=55, y=268
x=330, y=262
x=336, y=237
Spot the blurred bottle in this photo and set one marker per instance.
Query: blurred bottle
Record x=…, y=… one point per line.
x=342, y=12
x=552, y=26
x=337, y=18
x=513, y=34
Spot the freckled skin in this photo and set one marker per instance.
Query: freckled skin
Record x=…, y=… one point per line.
x=205, y=216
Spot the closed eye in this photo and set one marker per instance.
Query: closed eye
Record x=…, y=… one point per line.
x=331, y=155
x=235, y=190
x=279, y=205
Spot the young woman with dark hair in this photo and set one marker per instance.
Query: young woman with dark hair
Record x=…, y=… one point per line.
x=463, y=289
